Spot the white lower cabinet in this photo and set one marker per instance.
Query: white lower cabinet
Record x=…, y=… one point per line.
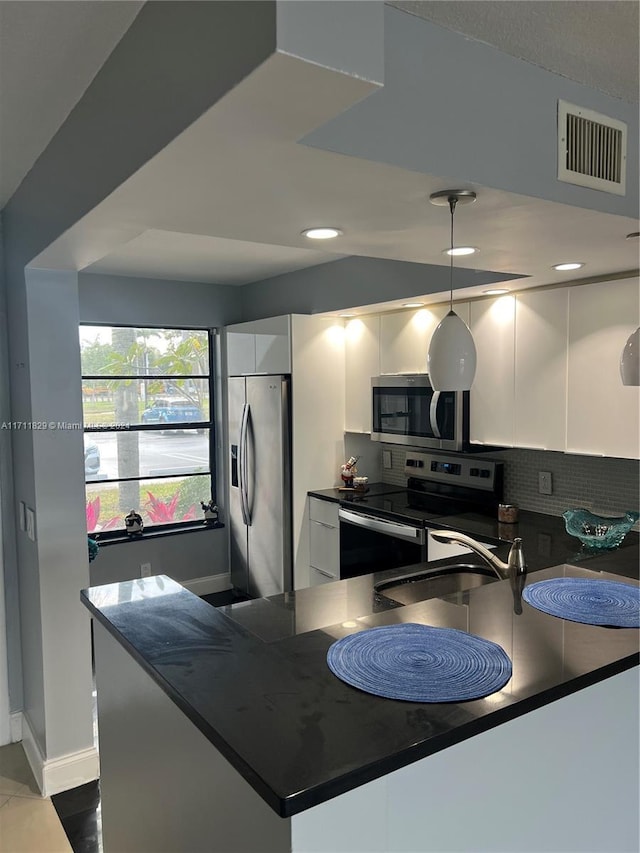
x=324, y=542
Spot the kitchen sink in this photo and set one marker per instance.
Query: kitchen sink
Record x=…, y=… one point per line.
x=436, y=582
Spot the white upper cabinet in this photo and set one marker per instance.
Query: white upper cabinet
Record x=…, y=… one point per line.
x=602, y=413
x=405, y=337
x=541, y=369
x=362, y=362
x=491, y=400
x=260, y=346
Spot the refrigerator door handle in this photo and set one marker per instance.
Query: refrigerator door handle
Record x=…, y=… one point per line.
x=243, y=465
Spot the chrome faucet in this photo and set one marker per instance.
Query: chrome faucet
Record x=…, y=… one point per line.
x=516, y=564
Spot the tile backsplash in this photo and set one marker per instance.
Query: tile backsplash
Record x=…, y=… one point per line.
x=604, y=485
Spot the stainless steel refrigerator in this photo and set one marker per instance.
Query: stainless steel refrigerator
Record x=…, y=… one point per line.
x=260, y=484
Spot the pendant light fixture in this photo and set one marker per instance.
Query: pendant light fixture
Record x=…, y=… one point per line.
x=451, y=360
x=630, y=360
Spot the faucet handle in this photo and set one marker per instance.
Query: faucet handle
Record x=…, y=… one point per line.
x=516, y=559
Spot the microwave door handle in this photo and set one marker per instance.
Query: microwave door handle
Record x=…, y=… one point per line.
x=242, y=465
x=433, y=414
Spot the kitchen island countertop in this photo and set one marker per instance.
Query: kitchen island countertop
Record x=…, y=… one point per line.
x=253, y=678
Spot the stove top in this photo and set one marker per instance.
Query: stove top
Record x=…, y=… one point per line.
x=438, y=485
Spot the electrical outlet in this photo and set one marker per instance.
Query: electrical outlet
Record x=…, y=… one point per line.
x=145, y=570
x=545, y=485
x=386, y=459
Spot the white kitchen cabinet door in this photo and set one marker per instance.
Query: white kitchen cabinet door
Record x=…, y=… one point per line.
x=273, y=348
x=491, y=400
x=241, y=353
x=602, y=413
x=405, y=337
x=540, y=409
x=362, y=362
x=259, y=346
x=403, y=342
x=317, y=396
x=324, y=541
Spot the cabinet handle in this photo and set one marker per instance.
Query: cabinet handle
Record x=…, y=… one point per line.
x=324, y=524
x=326, y=574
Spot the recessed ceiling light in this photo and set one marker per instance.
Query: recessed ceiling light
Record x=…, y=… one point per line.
x=567, y=267
x=496, y=291
x=321, y=233
x=412, y=304
x=458, y=251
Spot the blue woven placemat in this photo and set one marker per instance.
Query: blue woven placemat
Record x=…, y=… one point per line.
x=587, y=600
x=418, y=663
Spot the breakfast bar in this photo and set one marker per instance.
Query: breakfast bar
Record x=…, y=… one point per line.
x=235, y=713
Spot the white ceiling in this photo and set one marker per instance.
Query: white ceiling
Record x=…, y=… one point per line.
x=221, y=204
x=588, y=41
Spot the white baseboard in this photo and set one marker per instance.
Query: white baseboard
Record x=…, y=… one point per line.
x=58, y=774
x=205, y=586
x=15, y=726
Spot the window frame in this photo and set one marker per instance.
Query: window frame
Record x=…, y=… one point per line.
x=120, y=534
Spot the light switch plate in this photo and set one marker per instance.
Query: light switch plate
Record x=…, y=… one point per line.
x=31, y=523
x=386, y=459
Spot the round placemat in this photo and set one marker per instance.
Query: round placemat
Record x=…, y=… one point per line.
x=587, y=600
x=419, y=663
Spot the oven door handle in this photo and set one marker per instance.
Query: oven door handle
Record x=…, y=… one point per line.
x=381, y=525
x=433, y=414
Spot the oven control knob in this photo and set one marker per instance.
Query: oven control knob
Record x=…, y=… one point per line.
x=484, y=472
x=434, y=466
x=474, y=472
x=419, y=463
x=411, y=463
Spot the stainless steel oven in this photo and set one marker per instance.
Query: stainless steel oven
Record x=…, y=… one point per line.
x=369, y=543
x=406, y=410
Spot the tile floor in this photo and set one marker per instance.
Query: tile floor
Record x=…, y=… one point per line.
x=28, y=822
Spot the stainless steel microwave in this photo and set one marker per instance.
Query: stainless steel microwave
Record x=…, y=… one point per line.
x=406, y=410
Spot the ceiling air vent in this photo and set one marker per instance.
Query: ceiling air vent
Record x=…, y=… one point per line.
x=592, y=149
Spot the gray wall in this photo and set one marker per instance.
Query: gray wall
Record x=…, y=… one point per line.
x=352, y=282
x=154, y=302
x=184, y=557
x=8, y=560
x=185, y=55
x=474, y=112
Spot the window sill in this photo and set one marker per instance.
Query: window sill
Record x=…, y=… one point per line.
x=156, y=534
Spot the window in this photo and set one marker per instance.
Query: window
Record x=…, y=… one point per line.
x=148, y=425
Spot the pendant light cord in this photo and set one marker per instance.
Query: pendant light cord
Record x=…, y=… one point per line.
x=452, y=207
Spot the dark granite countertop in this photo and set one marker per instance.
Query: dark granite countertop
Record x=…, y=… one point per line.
x=335, y=495
x=253, y=676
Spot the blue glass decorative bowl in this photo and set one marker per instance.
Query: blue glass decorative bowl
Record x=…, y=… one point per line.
x=598, y=531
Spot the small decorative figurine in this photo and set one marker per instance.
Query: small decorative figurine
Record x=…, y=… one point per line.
x=133, y=523
x=210, y=512
x=93, y=549
x=348, y=471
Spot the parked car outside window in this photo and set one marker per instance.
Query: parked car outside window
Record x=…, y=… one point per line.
x=172, y=410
